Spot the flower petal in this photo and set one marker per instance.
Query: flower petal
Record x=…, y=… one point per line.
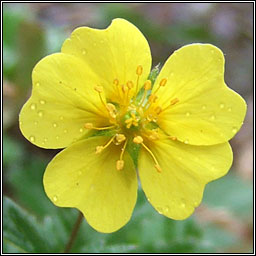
x=186, y=169
x=62, y=101
x=77, y=177
x=112, y=53
x=207, y=111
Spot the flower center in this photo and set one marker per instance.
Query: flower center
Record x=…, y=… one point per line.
x=134, y=117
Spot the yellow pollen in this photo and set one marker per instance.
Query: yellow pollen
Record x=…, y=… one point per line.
x=134, y=120
x=120, y=138
x=163, y=82
x=174, y=101
x=119, y=165
x=147, y=85
x=98, y=88
x=139, y=70
x=138, y=139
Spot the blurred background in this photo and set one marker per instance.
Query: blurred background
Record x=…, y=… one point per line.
x=224, y=221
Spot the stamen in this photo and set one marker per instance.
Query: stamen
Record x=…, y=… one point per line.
x=138, y=139
x=134, y=120
x=99, y=149
x=154, y=134
x=119, y=165
x=112, y=110
x=174, y=101
x=158, y=110
x=129, y=84
x=163, y=82
x=139, y=73
x=116, y=82
x=99, y=89
x=120, y=138
x=157, y=166
x=90, y=126
x=120, y=162
x=147, y=86
x=152, y=98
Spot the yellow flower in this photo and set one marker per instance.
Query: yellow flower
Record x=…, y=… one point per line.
x=86, y=99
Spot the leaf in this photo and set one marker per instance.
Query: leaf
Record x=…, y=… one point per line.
x=20, y=229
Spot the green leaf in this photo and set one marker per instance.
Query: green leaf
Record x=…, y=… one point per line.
x=21, y=230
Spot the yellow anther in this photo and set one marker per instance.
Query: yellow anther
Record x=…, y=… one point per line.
x=174, y=101
x=152, y=98
x=138, y=139
x=147, y=85
x=120, y=138
x=98, y=88
x=129, y=84
x=111, y=109
x=99, y=149
x=158, y=110
x=139, y=70
x=88, y=126
x=116, y=82
x=119, y=165
x=173, y=138
x=154, y=135
x=163, y=82
x=158, y=168
x=124, y=88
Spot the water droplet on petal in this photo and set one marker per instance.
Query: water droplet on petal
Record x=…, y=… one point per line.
x=172, y=74
x=40, y=113
x=203, y=107
x=37, y=84
x=183, y=205
x=212, y=117
x=79, y=172
x=160, y=210
x=57, y=137
x=21, y=123
x=54, y=125
x=166, y=209
x=61, y=117
x=65, y=131
x=149, y=199
x=42, y=102
x=33, y=106
x=55, y=198
x=188, y=114
x=186, y=141
x=229, y=109
x=234, y=130
x=212, y=51
x=81, y=130
x=32, y=138
x=35, y=123
x=222, y=105
x=45, y=139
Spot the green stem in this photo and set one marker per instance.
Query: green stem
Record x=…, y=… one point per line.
x=74, y=233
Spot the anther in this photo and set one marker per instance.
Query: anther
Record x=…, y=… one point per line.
x=139, y=70
x=129, y=84
x=174, y=101
x=158, y=168
x=119, y=165
x=88, y=126
x=173, y=138
x=98, y=88
x=163, y=82
x=99, y=149
x=138, y=139
x=124, y=88
x=147, y=85
x=152, y=98
x=120, y=138
x=116, y=82
x=158, y=110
